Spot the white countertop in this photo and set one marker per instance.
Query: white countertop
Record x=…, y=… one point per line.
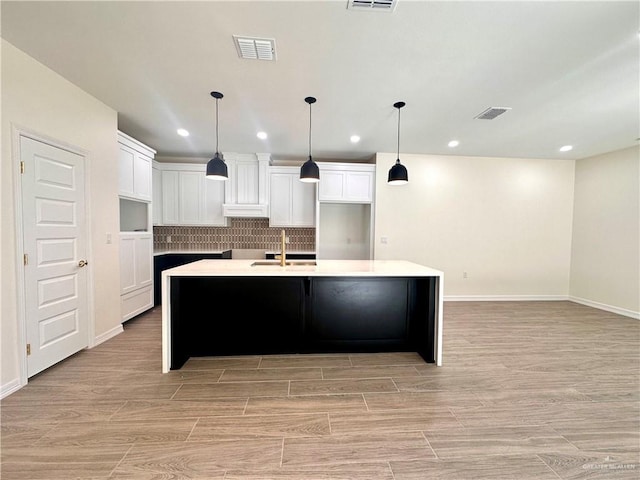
x=183, y=252
x=326, y=268
x=199, y=252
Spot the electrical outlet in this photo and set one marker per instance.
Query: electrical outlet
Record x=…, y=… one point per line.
x=384, y=240
x=286, y=239
x=464, y=275
x=168, y=238
x=109, y=240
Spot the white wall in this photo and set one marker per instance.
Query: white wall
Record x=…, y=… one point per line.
x=605, y=259
x=344, y=231
x=37, y=99
x=504, y=221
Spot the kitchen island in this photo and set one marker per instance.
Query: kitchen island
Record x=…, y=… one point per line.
x=244, y=307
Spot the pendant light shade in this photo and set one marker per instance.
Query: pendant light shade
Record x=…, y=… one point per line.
x=216, y=168
x=309, y=172
x=398, y=174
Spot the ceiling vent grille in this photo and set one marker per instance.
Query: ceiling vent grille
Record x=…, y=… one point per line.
x=491, y=113
x=372, y=5
x=255, y=48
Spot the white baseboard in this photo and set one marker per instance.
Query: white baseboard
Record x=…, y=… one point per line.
x=505, y=298
x=604, y=306
x=103, y=337
x=542, y=298
x=10, y=387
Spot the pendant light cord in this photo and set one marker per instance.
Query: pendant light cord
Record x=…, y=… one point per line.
x=217, y=126
x=398, y=157
x=309, y=130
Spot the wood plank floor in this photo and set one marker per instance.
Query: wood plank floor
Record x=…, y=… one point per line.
x=528, y=390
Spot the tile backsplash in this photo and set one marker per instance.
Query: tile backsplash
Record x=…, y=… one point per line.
x=241, y=233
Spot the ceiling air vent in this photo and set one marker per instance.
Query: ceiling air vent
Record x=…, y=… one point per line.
x=491, y=113
x=255, y=48
x=372, y=5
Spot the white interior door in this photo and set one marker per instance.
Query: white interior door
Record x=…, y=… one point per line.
x=55, y=274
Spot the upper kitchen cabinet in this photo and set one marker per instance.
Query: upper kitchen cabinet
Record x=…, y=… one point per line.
x=346, y=182
x=291, y=202
x=189, y=197
x=247, y=193
x=134, y=168
x=156, y=184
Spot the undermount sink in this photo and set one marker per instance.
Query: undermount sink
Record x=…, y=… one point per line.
x=288, y=263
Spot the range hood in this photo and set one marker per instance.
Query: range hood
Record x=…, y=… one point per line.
x=246, y=192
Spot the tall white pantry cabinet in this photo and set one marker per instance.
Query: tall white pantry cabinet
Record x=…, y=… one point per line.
x=136, y=234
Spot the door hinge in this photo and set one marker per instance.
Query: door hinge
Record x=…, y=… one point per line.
x=25, y=259
x=21, y=167
x=28, y=349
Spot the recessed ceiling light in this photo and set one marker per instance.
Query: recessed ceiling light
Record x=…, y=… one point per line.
x=262, y=135
x=453, y=143
x=354, y=138
x=182, y=132
x=566, y=148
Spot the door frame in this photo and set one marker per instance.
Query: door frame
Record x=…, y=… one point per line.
x=16, y=153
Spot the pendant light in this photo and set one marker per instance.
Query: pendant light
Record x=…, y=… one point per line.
x=216, y=168
x=398, y=173
x=309, y=172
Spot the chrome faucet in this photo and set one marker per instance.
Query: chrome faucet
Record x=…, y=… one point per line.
x=283, y=250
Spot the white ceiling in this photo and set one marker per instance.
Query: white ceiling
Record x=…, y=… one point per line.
x=568, y=70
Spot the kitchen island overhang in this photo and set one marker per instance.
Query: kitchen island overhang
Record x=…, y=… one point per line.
x=333, y=306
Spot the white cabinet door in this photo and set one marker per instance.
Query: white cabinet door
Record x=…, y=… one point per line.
x=134, y=168
x=136, y=273
x=190, y=197
x=213, y=201
x=359, y=186
x=291, y=202
x=156, y=203
x=303, y=204
x=346, y=183
x=281, y=195
x=170, y=189
x=126, y=160
x=142, y=177
x=127, y=263
x=144, y=260
x=136, y=261
x=331, y=186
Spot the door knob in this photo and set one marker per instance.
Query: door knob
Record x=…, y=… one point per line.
x=82, y=263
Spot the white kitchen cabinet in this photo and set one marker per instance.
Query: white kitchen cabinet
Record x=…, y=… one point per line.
x=247, y=188
x=346, y=182
x=291, y=202
x=136, y=273
x=156, y=185
x=212, y=209
x=134, y=169
x=189, y=197
x=170, y=194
